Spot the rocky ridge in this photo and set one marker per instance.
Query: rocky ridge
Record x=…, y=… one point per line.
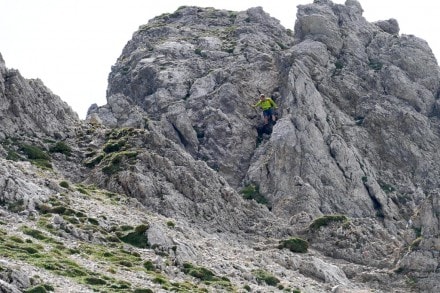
x=151, y=193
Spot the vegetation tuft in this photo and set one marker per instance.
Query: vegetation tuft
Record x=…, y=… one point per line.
x=294, y=245
x=207, y=276
x=149, y=266
x=37, y=289
x=266, y=277
x=94, y=281
x=138, y=238
x=61, y=147
x=92, y=162
x=143, y=290
x=64, y=184
x=115, y=161
x=198, y=272
x=33, y=152
x=252, y=192
x=36, y=156
x=113, y=146
x=326, y=220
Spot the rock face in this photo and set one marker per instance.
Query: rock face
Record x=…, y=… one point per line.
x=151, y=190
x=196, y=73
x=30, y=108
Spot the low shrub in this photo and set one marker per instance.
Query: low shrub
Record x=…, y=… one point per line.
x=137, y=238
x=149, y=266
x=36, y=289
x=198, y=272
x=61, y=147
x=252, y=192
x=64, y=184
x=33, y=152
x=113, y=146
x=266, y=277
x=142, y=290
x=94, y=281
x=294, y=245
x=92, y=162
x=326, y=220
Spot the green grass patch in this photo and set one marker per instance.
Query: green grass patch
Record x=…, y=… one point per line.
x=113, y=146
x=92, y=162
x=198, y=272
x=387, y=188
x=13, y=156
x=149, y=266
x=16, y=206
x=143, y=290
x=64, y=184
x=82, y=190
x=33, y=152
x=61, y=147
x=36, y=155
x=115, y=161
x=58, y=262
x=93, y=221
x=94, y=281
x=294, y=245
x=57, y=209
x=206, y=275
x=137, y=238
x=37, y=234
x=266, y=277
x=252, y=191
x=37, y=289
x=327, y=220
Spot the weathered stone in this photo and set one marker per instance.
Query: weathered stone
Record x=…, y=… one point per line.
x=356, y=140
x=30, y=108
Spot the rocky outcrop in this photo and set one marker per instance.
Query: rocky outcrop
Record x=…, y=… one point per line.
x=359, y=124
x=144, y=164
x=30, y=108
x=176, y=175
x=195, y=73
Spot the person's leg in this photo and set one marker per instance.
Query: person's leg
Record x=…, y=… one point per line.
x=269, y=115
x=266, y=116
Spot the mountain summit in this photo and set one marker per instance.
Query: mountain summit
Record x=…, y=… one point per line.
x=172, y=185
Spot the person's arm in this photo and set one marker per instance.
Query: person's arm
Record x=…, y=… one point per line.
x=257, y=104
x=273, y=103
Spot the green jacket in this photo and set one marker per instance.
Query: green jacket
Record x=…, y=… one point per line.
x=265, y=104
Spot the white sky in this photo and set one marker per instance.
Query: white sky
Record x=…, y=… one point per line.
x=72, y=44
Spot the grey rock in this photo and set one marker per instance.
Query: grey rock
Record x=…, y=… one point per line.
x=28, y=107
x=19, y=190
x=13, y=281
x=357, y=135
x=328, y=273
x=390, y=26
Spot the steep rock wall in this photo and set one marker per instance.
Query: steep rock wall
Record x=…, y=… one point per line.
x=359, y=123
x=28, y=107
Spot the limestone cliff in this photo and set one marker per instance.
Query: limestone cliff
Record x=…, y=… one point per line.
x=171, y=186
x=30, y=108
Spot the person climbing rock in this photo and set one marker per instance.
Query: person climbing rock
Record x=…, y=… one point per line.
x=267, y=105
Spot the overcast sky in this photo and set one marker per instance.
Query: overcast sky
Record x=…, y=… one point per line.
x=72, y=44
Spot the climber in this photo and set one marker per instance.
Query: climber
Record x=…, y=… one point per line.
x=267, y=105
